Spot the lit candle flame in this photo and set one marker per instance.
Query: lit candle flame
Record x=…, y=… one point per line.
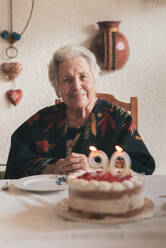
x=118, y=148
x=92, y=148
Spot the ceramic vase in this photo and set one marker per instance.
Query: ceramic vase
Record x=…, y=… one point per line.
x=110, y=46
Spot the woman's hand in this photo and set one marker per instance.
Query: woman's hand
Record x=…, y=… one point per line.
x=72, y=163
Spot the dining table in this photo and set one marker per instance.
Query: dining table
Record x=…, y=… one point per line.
x=28, y=219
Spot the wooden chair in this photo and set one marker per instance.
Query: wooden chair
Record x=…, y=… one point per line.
x=2, y=170
x=132, y=106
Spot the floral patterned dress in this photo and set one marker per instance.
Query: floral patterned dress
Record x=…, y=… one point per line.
x=43, y=139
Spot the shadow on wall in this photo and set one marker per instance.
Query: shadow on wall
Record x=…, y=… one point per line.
x=90, y=31
x=155, y=2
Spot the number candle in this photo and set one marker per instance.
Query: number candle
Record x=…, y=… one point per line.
x=98, y=159
x=120, y=162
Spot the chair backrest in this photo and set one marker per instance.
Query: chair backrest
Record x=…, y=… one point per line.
x=2, y=170
x=132, y=106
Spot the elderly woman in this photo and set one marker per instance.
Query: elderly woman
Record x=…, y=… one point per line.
x=57, y=138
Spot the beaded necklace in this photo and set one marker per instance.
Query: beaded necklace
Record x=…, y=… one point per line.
x=11, y=36
x=13, y=69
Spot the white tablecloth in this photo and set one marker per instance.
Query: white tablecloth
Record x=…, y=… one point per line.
x=29, y=220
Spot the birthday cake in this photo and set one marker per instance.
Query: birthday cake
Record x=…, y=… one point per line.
x=98, y=194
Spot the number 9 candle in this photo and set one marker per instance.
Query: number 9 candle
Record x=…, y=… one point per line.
x=98, y=159
x=120, y=162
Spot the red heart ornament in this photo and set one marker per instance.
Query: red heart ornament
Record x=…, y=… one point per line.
x=14, y=96
x=12, y=70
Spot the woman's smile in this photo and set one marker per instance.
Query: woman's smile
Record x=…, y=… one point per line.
x=78, y=95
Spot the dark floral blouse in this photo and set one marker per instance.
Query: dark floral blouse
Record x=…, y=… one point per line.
x=42, y=139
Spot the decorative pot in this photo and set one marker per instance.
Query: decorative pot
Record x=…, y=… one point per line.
x=110, y=46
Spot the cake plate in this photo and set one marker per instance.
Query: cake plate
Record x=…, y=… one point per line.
x=62, y=209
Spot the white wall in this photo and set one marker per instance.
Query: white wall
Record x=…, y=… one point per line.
x=56, y=23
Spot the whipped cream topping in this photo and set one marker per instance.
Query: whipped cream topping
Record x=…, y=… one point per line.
x=136, y=180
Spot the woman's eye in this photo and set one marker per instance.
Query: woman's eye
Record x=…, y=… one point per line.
x=68, y=80
x=83, y=77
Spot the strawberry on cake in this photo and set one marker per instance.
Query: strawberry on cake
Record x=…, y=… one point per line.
x=98, y=194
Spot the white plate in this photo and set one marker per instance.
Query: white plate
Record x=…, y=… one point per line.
x=62, y=209
x=41, y=183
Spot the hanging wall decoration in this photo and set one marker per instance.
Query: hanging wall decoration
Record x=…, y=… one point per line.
x=13, y=69
x=110, y=46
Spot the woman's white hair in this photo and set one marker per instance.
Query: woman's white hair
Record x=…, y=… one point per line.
x=66, y=53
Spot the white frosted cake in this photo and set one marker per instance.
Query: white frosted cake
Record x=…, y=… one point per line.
x=96, y=195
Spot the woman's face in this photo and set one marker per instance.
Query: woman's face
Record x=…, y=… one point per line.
x=76, y=83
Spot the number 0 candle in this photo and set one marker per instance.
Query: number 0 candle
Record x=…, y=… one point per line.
x=120, y=162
